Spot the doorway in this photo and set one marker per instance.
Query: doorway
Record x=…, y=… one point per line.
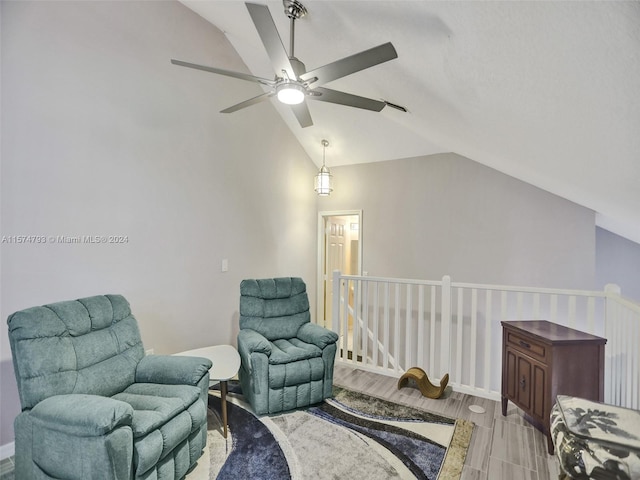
x=339, y=248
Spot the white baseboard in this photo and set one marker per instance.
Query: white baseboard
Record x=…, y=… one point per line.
x=7, y=450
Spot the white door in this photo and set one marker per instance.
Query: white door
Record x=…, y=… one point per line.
x=339, y=248
x=335, y=259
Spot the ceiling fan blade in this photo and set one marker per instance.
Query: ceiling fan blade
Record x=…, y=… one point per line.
x=266, y=27
x=348, y=65
x=247, y=103
x=301, y=111
x=228, y=73
x=348, y=99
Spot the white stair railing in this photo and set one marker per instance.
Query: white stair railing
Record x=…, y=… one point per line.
x=388, y=325
x=622, y=369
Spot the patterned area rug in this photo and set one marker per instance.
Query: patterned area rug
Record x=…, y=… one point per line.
x=352, y=435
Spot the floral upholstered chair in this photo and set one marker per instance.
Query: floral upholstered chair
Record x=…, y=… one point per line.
x=596, y=441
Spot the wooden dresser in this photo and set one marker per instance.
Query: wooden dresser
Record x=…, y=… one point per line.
x=541, y=360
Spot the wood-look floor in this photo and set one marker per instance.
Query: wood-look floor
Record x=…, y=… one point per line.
x=502, y=448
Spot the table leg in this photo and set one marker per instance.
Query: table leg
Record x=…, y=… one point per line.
x=223, y=402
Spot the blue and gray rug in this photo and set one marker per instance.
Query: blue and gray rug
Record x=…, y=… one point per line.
x=350, y=436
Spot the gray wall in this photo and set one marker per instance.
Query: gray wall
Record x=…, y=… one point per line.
x=101, y=135
x=618, y=261
x=445, y=214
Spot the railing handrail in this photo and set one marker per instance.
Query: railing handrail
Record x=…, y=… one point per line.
x=625, y=302
x=541, y=290
x=482, y=286
x=391, y=280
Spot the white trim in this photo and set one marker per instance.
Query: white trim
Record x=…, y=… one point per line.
x=7, y=450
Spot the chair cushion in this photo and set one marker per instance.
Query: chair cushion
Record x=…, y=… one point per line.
x=155, y=404
x=287, y=351
x=272, y=288
x=275, y=308
x=86, y=346
x=82, y=415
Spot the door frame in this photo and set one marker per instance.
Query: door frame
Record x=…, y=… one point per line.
x=320, y=257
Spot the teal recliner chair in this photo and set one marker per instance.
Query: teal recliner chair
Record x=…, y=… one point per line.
x=93, y=405
x=286, y=361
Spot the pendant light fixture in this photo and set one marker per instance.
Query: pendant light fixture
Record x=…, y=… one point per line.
x=323, y=178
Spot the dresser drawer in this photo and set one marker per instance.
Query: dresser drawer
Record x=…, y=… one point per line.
x=527, y=345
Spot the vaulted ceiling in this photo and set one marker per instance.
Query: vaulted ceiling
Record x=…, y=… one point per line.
x=548, y=92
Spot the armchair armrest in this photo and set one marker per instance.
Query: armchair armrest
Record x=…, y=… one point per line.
x=82, y=415
x=317, y=335
x=172, y=370
x=250, y=341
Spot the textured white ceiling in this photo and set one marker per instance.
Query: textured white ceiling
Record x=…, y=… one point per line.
x=548, y=92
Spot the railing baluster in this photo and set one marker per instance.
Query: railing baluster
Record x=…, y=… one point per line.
x=609, y=370
x=503, y=305
x=630, y=353
x=385, y=352
x=591, y=313
x=356, y=324
x=408, y=358
x=615, y=370
x=474, y=341
x=571, y=313
x=421, y=330
x=460, y=329
x=365, y=321
x=345, y=319
x=432, y=334
x=445, y=326
x=396, y=329
x=487, y=346
x=519, y=302
x=620, y=343
x=376, y=324
x=554, y=309
x=634, y=340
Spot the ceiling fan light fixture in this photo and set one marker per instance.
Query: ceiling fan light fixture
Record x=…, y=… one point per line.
x=290, y=93
x=322, y=181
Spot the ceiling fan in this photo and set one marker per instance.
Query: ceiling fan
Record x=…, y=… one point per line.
x=292, y=83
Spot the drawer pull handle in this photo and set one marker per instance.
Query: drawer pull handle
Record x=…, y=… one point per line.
x=524, y=344
x=522, y=383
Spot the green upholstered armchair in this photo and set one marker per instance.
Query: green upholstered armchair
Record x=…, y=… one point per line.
x=93, y=405
x=286, y=361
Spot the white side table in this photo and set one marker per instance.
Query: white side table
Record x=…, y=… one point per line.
x=226, y=363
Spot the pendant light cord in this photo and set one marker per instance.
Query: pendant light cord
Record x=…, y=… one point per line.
x=325, y=144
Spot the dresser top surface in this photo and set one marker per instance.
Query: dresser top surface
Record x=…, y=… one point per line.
x=552, y=332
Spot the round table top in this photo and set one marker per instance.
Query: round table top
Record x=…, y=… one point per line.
x=225, y=359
